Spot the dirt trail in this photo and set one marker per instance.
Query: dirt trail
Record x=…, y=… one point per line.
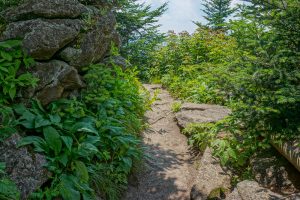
x=169, y=171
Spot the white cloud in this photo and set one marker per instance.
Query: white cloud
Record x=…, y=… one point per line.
x=180, y=14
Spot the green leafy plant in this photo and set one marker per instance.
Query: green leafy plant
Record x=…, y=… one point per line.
x=200, y=135
x=8, y=189
x=82, y=137
x=64, y=142
x=8, y=122
x=12, y=59
x=4, y=4
x=176, y=107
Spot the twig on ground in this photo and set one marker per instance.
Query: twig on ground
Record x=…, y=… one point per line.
x=161, y=118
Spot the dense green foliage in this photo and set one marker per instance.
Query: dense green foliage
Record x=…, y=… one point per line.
x=12, y=60
x=4, y=4
x=137, y=25
x=90, y=142
x=8, y=189
x=254, y=70
x=195, y=67
x=217, y=11
x=89, y=137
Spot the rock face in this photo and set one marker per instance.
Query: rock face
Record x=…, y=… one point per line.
x=63, y=36
x=94, y=43
x=272, y=171
x=63, y=78
x=212, y=180
x=24, y=168
x=118, y=61
x=43, y=38
x=250, y=190
x=200, y=113
x=45, y=9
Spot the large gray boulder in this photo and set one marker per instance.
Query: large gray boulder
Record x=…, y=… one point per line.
x=116, y=61
x=45, y=9
x=272, y=171
x=56, y=78
x=212, y=180
x=200, y=113
x=25, y=168
x=43, y=38
x=250, y=190
x=93, y=45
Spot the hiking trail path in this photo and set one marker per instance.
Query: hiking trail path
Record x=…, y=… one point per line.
x=169, y=169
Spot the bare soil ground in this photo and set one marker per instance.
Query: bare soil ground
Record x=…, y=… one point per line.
x=168, y=170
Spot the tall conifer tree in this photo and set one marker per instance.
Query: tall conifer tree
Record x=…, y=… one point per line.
x=217, y=11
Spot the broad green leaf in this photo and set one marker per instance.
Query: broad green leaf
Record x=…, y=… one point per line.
x=84, y=127
x=68, y=141
x=6, y=56
x=41, y=122
x=10, y=43
x=87, y=150
x=38, y=142
x=92, y=139
x=67, y=188
x=87, y=196
x=53, y=139
x=28, y=62
x=55, y=119
x=27, y=118
x=37, y=106
x=81, y=171
x=24, y=77
x=29, y=140
x=12, y=91
x=8, y=190
x=63, y=159
x=20, y=109
x=2, y=167
x=2, y=68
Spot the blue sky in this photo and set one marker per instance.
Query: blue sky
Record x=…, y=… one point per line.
x=180, y=14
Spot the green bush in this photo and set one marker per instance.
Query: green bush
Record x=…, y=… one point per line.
x=12, y=59
x=253, y=69
x=197, y=67
x=82, y=137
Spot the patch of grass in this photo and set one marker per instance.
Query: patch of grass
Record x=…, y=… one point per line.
x=176, y=107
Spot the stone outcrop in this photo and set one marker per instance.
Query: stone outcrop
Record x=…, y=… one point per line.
x=24, y=168
x=93, y=44
x=200, y=113
x=63, y=36
x=45, y=9
x=43, y=38
x=272, y=171
x=116, y=61
x=250, y=190
x=212, y=180
x=63, y=78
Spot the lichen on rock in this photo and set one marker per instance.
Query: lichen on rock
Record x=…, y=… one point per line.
x=26, y=169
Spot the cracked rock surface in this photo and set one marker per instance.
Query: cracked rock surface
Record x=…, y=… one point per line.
x=26, y=169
